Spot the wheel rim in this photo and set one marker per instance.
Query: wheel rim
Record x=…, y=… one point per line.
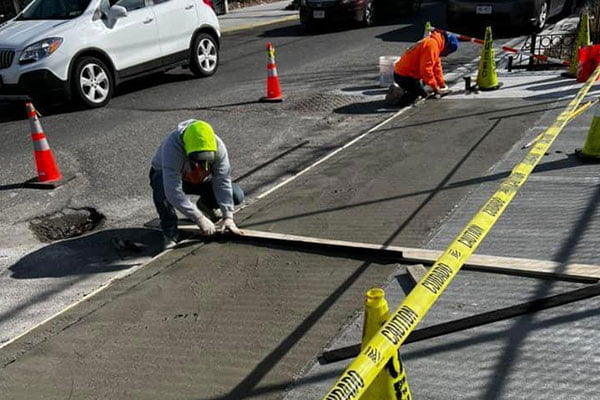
x=369, y=13
x=543, y=15
x=207, y=55
x=94, y=83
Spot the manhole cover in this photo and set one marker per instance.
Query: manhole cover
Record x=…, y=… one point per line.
x=66, y=223
x=324, y=102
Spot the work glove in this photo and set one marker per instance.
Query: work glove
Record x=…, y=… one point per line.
x=207, y=228
x=229, y=225
x=443, y=90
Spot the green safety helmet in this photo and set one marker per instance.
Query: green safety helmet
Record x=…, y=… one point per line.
x=199, y=141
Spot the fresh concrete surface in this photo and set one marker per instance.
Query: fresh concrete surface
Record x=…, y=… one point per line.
x=550, y=354
x=233, y=321
x=329, y=81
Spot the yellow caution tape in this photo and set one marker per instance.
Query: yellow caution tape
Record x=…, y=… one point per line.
x=363, y=370
x=574, y=115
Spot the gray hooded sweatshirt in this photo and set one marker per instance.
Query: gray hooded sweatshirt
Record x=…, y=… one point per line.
x=172, y=161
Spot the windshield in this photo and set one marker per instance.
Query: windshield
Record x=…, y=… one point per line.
x=54, y=9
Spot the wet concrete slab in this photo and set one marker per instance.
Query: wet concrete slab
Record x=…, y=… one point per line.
x=232, y=321
x=549, y=354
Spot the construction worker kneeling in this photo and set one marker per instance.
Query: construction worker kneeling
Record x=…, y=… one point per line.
x=421, y=65
x=193, y=160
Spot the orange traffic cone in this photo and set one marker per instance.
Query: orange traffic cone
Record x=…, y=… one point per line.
x=273, y=89
x=49, y=175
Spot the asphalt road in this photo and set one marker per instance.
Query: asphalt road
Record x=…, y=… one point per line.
x=330, y=84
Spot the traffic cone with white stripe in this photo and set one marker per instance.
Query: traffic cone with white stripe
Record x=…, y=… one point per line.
x=591, y=148
x=273, y=89
x=391, y=382
x=49, y=175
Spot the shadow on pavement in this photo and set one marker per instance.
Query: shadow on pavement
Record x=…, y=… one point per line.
x=150, y=81
x=11, y=111
x=15, y=111
x=105, y=251
x=367, y=107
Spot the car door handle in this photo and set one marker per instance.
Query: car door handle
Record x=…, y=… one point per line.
x=148, y=20
x=189, y=7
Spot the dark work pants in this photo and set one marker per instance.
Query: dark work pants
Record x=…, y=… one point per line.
x=166, y=212
x=412, y=87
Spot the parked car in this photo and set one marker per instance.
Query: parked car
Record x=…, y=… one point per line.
x=322, y=12
x=520, y=13
x=82, y=49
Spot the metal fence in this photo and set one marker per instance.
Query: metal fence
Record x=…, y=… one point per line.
x=557, y=46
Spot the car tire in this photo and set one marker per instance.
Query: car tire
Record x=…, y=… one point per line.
x=542, y=15
x=91, y=82
x=204, y=55
x=369, y=13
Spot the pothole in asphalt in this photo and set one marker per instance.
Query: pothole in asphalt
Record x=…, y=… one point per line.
x=67, y=223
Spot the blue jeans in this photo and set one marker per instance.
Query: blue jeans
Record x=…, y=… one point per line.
x=166, y=212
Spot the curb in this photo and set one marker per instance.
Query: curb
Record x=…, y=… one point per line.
x=259, y=24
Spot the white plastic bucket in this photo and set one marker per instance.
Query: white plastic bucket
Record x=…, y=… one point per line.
x=386, y=70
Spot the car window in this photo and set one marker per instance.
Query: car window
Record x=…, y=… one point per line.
x=131, y=5
x=55, y=9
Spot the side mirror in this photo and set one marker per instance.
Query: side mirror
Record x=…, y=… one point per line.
x=116, y=12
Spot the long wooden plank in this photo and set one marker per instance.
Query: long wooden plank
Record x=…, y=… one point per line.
x=473, y=321
x=477, y=262
x=509, y=265
x=416, y=272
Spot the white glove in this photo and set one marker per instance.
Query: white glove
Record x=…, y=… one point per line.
x=207, y=228
x=443, y=89
x=229, y=225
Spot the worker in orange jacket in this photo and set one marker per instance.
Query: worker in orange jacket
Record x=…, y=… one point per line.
x=420, y=64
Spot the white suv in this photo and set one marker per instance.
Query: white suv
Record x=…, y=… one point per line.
x=82, y=49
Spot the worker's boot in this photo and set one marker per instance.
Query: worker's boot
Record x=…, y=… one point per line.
x=394, y=95
x=169, y=242
x=214, y=214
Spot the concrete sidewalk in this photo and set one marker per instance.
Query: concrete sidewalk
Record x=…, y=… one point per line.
x=255, y=16
x=555, y=217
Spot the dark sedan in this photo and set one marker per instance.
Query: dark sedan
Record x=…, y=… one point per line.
x=520, y=13
x=321, y=12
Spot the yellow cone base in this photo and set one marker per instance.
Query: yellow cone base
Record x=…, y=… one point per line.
x=587, y=158
x=498, y=86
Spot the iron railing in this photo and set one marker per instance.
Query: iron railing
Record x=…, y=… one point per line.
x=557, y=46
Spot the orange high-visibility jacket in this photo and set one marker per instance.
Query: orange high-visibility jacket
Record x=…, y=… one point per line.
x=422, y=61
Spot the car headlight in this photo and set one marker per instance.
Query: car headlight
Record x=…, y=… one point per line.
x=40, y=49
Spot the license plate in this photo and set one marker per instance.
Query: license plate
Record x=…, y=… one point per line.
x=484, y=9
x=320, y=14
